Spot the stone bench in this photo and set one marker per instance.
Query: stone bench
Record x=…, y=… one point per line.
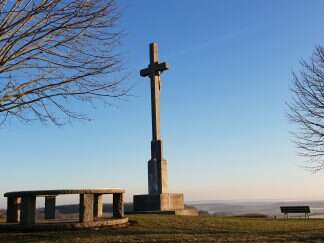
x=21, y=205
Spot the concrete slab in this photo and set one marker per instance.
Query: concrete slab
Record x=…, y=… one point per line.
x=159, y=202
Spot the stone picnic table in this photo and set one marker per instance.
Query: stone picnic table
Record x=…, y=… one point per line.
x=21, y=205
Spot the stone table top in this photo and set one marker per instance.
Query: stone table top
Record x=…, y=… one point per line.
x=64, y=191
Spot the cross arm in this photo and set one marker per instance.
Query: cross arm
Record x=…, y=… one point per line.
x=154, y=68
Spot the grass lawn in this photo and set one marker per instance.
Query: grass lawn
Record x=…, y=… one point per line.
x=165, y=228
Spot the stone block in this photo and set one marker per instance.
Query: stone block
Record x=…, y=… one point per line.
x=118, y=205
x=50, y=207
x=171, y=201
x=158, y=202
x=86, y=208
x=13, y=209
x=28, y=210
x=98, y=205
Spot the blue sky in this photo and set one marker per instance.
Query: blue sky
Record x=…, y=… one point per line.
x=223, y=113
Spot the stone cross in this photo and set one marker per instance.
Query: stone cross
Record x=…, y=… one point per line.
x=154, y=70
x=158, y=198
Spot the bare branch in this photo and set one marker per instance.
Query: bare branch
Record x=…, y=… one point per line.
x=307, y=109
x=56, y=51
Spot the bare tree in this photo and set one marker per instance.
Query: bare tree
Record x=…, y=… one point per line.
x=307, y=109
x=56, y=52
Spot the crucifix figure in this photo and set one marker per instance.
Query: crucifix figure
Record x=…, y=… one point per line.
x=157, y=165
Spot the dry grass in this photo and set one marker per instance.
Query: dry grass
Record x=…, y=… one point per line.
x=164, y=228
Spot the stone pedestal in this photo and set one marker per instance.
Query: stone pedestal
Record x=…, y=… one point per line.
x=159, y=202
x=158, y=198
x=157, y=176
x=50, y=207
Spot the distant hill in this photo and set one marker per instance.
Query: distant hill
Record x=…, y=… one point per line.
x=270, y=208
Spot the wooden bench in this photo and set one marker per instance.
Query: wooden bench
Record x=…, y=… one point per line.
x=295, y=209
x=21, y=205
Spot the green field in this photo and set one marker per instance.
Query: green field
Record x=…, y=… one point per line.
x=164, y=228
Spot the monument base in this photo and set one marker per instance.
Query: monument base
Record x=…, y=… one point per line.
x=158, y=202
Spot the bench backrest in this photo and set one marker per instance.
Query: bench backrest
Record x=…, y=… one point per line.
x=295, y=209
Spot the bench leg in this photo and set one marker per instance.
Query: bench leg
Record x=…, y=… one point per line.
x=118, y=205
x=28, y=210
x=50, y=207
x=97, y=205
x=13, y=209
x=86, y=207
